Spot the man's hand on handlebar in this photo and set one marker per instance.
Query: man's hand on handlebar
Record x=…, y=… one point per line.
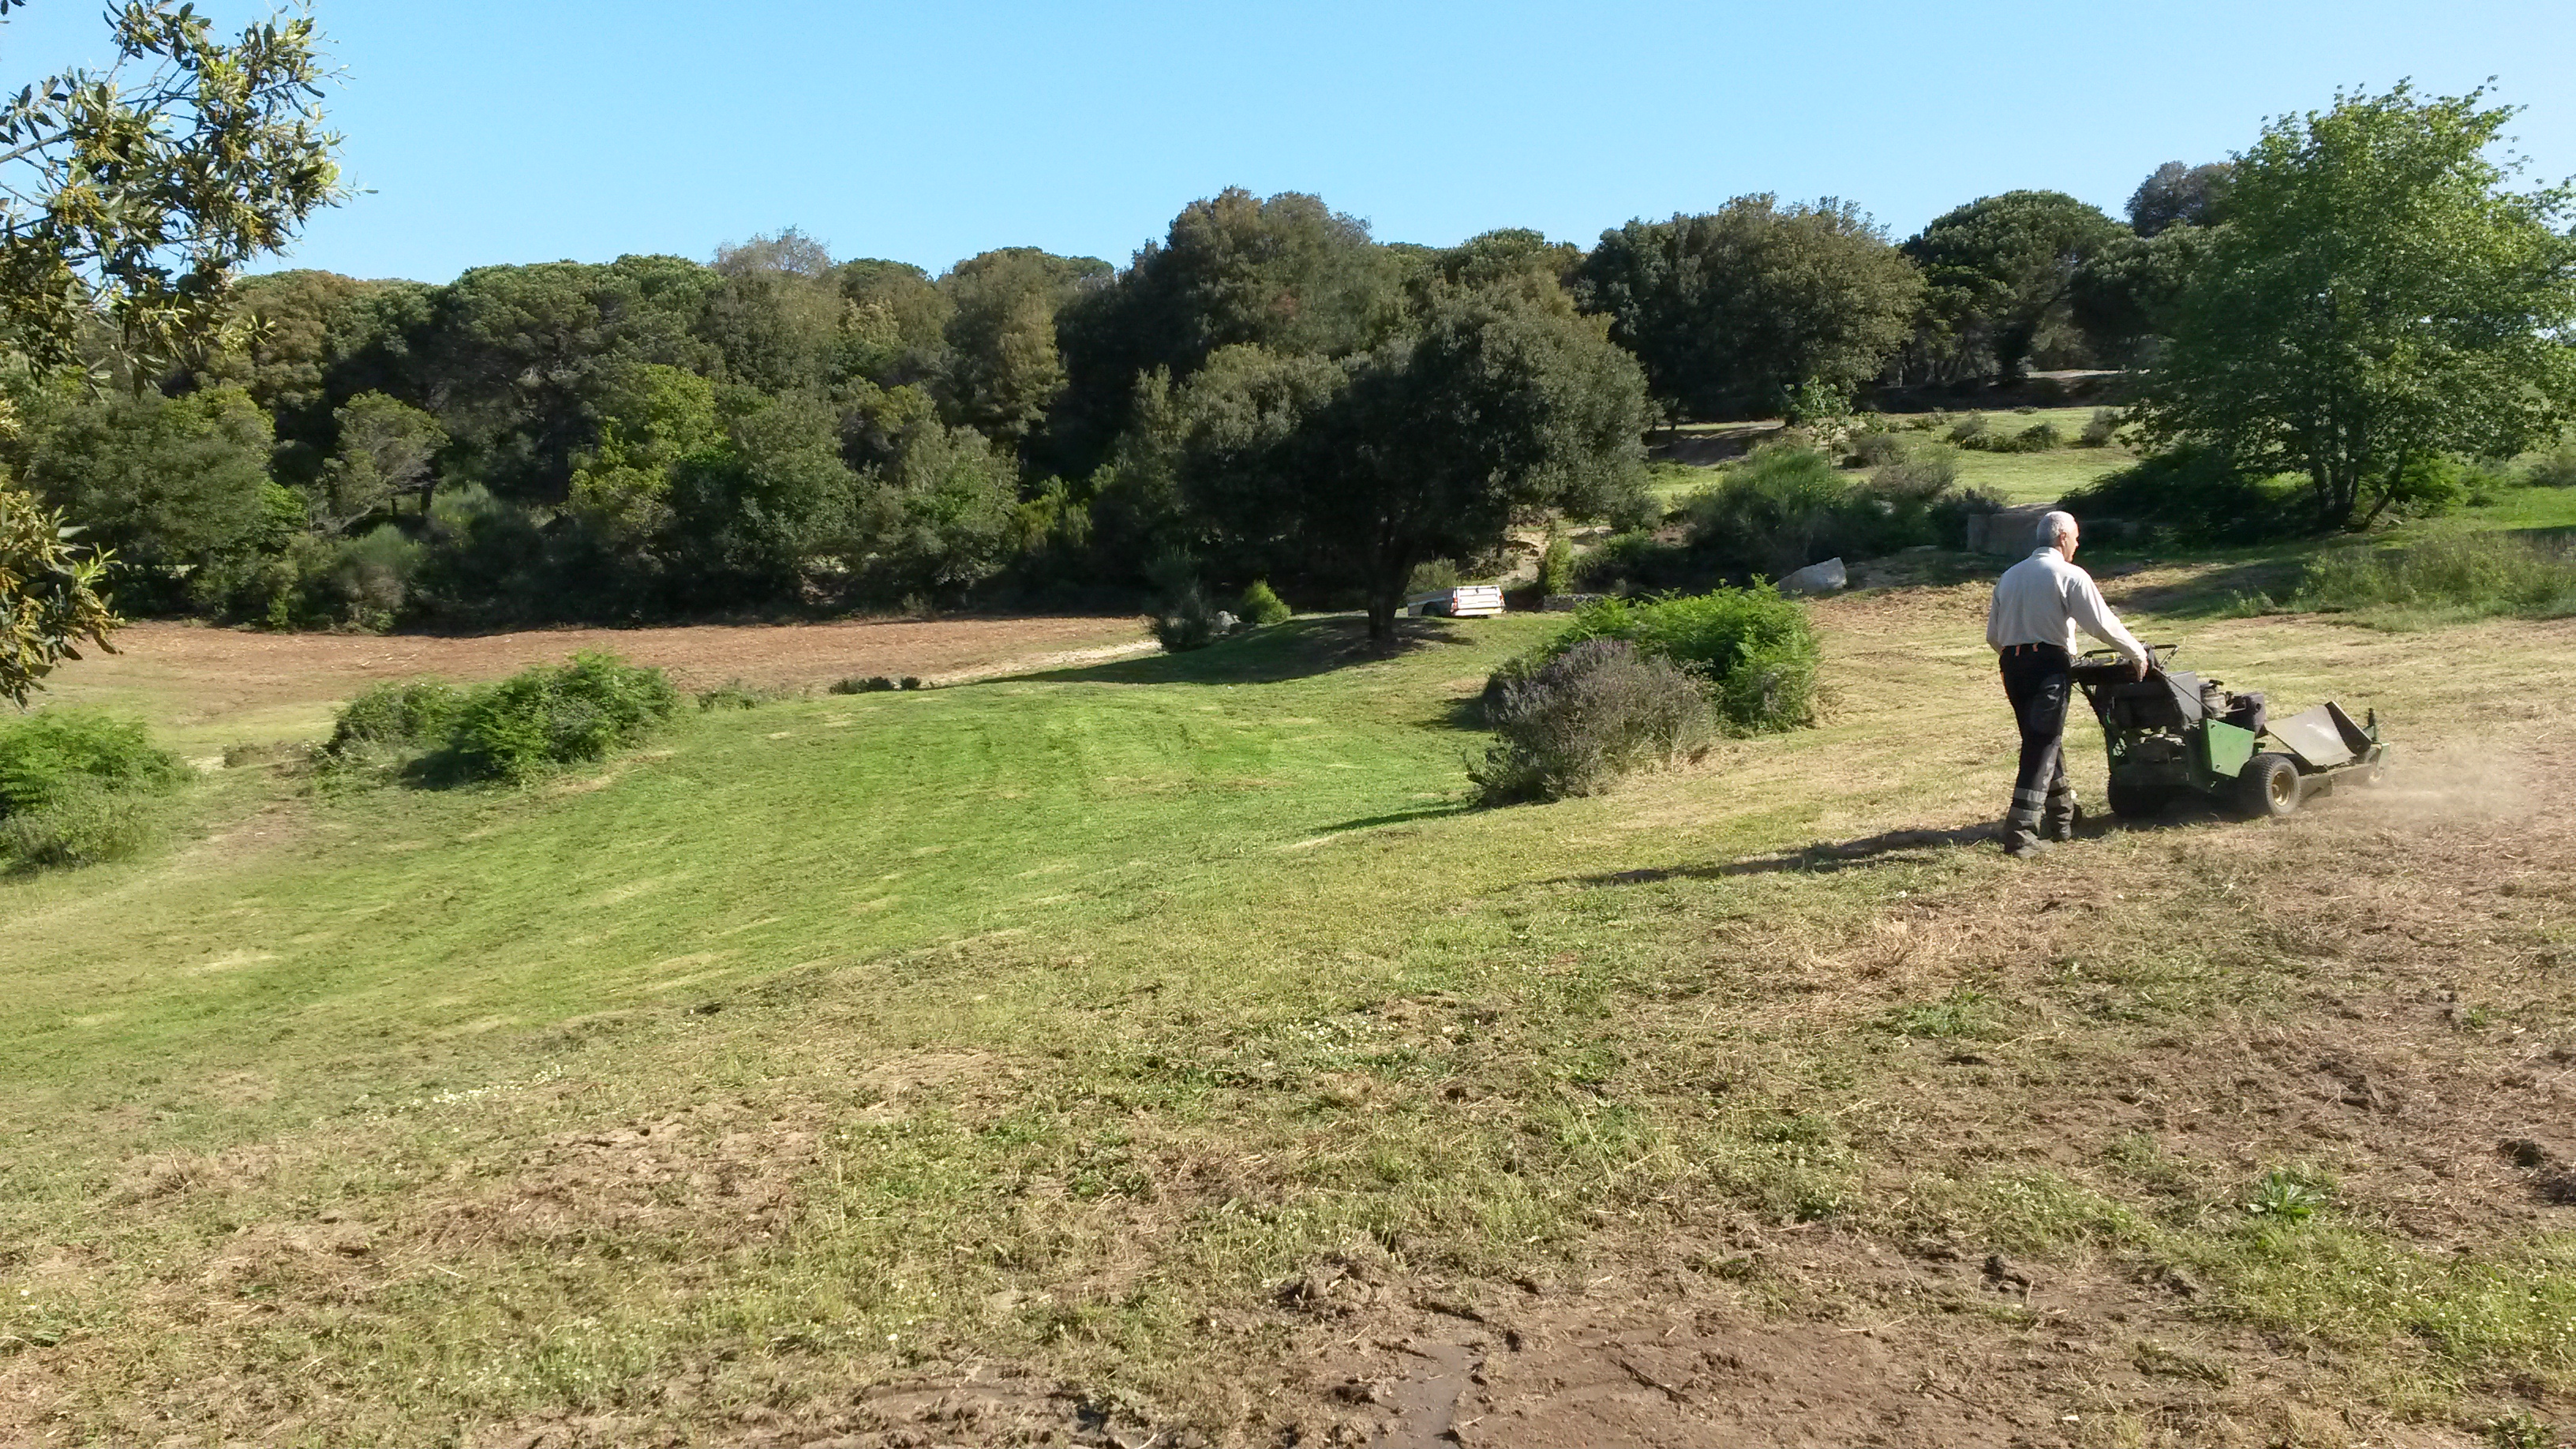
x=2138, y=668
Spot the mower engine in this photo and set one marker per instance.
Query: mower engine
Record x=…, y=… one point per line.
x=2174, y=732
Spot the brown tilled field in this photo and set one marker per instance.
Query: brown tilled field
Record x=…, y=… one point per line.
x=227, y=685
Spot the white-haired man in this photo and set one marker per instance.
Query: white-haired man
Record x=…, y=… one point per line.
x=2039, y=605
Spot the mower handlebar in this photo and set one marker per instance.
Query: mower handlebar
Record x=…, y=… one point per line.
x=2158, y=655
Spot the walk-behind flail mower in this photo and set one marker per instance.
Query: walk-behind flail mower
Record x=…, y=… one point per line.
x=2174, y=732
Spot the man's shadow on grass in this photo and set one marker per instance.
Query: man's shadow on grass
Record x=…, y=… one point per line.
x=1298, y=649
x=1905, y=847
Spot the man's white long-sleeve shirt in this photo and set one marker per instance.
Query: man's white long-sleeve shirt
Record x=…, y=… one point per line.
x=2045, y=599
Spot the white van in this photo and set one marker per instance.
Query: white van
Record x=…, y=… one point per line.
x=1467, y=601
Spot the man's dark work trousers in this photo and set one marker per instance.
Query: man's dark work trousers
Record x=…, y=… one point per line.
x=2043, y=803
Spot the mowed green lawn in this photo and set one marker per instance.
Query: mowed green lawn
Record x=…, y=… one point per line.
x=2038, y=477
x=838, y=829
x=1063, y=1020
x=2042, y=477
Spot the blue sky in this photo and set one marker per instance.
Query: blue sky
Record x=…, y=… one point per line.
x=516, y=132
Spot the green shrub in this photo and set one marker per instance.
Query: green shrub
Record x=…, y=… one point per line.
x=1633, y=503
x=78, y=787
x=416, y=715
x=1928, y=469
x=81, y=823
x=1262, y=607
x=2037, y=438
x=2449, y=573
x=2429, y=487
x=1784, y=508
x=1431, y=577
x=855, y=684
x=1556, y=566
x=1774, y=511
x=2196, y=496
x=732, y=694
x=554, y=715
x=1185, y=621
x=1969, y=431
x=2485, y=484
x=1637, y=561
x=50, y=755
x=363, y=581
x=2555, y=468
x=2100, y=430
x=1578, y=721
x=1876, y=450
x=1754, y=652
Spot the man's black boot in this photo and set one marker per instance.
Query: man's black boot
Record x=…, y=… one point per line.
x=2064, y=832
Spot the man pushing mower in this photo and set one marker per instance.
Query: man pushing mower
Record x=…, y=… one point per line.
x=2039, y=605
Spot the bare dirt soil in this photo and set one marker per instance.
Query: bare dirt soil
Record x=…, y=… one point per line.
x=275, y=685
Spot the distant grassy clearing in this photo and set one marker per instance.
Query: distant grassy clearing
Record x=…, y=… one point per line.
x=2014, y=477
x=2038, y=477
x=2028, y=477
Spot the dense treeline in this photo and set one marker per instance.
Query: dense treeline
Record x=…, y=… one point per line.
x=1267, y=391
x=1264, y=392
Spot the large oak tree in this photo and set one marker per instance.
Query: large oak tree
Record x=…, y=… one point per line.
x=1732, y=311
x=2000, y=279
x=1491, y=401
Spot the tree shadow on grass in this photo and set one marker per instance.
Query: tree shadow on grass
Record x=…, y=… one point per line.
x=1401, y=817
x=1297, y=649
x=1465, y=712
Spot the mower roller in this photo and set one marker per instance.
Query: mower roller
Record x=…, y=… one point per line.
x=2174, y=732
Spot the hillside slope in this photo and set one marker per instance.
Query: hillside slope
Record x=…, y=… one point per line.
x=1161, y=1046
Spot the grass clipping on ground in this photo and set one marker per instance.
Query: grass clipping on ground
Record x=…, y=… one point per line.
x=1160, y=1044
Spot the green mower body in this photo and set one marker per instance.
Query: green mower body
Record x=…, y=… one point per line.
x=2174, y=733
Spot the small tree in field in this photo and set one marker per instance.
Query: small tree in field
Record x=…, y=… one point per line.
x=2376, y=297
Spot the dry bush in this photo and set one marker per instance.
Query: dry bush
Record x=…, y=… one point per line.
x=1586, y=717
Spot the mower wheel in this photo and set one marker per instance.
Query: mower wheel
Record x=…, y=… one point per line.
x=2131, y=801
x=2268, y=785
